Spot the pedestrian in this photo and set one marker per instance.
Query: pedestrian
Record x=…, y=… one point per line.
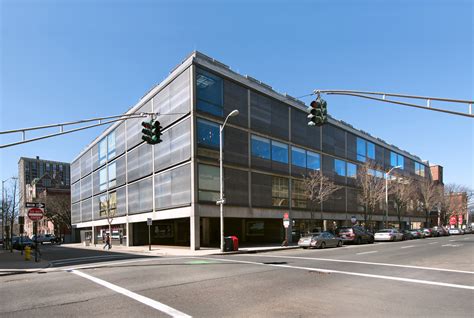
x=107, y=242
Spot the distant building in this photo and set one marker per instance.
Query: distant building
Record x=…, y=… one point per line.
x=268, y=147
x=38, y=177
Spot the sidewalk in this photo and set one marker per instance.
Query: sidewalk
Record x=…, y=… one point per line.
x=15, y=262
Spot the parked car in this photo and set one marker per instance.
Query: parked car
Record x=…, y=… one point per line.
x=417, y=234
x=354, y=234
x=320, y=240
x=468, y=230
x=407, y=235
x=20, y=243
x=428, y=232
x=388, y=235
x=46, y=238
x=441, y=231
x=455, y=231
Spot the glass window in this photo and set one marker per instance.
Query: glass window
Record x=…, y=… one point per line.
x=103, y=205
x=298, y=194
x=208, y=183
x=397, y=160
x=298, y=157
x=260, y=147
x=379, y=174
x=419, y=169
x=255, y=228
x=351, y=170
x=361, y=149
x=103, y=151
x=209, y=93
x=401, y=161
x=279, y=191
x=103, y=179
x=313, y=160
x=208, y=133
x=112, y=175
x=340, y=167
x=112, y=203
x=279, y=152
x=370, y=150
x=111, y=145
x=393, y=159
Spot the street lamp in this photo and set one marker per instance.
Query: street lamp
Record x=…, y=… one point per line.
x=221, y=202
x=386, y=194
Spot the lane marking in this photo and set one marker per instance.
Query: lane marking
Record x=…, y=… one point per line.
x=78, y=260
x=366, y=263
x=408, y=246
x=142, y=299
x=105, y=264
x=366, y=252
x=452, y=240
x=331, y=271
x=433, y=243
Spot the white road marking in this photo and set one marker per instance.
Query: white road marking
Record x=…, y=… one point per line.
x=366, y=263
x=144, y=300
x=452, y=240
x=433, y=243
x=367, y=252
x=410, y=280
x=408, y=246
x=118, y=262
x=88, y=258
x=452, y=245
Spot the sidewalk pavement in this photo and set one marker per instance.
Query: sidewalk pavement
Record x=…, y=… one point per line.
x=11, y=263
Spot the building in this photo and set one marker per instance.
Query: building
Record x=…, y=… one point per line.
x=37, y=177
x=267, y=149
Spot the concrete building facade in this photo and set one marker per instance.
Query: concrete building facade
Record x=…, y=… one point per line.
x=268, y=147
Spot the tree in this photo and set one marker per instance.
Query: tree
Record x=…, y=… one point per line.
x=318, y=187
x=401, y=191
x=108, y=209
x=429, y=196
x=58, y=209
x=11, y=207
x=454, y=201
x=372, y=189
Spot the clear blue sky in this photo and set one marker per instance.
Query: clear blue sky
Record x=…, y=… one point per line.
x=67, y=60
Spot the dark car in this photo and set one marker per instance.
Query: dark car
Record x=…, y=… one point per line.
x=354, y=234
x=20, y=243
x=407, y=235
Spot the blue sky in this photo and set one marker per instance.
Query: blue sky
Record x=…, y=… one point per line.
x=68, y=60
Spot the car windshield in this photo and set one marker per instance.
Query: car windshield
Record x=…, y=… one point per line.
x=385, y=231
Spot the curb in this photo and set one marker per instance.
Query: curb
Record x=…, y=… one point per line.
x=257, y=251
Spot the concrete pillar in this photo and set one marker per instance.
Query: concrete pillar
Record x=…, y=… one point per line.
x=94, y=236
x=129, y=241
x=206, y=237
x=195, y=241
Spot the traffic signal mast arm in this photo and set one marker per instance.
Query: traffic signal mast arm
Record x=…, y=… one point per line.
x=383, y=98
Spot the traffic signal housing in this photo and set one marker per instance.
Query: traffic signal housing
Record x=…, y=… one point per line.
x=151, y=132
x=318, y=112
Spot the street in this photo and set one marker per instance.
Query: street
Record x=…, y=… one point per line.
x=431, y=277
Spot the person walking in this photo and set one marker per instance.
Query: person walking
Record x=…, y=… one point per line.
x=107, y=242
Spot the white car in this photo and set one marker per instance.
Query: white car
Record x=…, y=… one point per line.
x=388, y=235
x=45, y=238
x=455, y=231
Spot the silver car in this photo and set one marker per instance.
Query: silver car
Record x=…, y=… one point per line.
x=320, y=240
x=388, y=235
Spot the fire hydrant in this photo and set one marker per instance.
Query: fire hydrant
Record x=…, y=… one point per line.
x=27, y=253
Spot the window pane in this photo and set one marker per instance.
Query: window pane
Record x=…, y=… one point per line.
x=102, y=179
x=111, y=145
x=340, y=167
x=279, y=191
x=298, y=194
x=351, y=170
x=208, y=183
x=361, y=151
x=279, y=152
x=209, y=93
x=393, y=159
x=208, y=133
x=112, y=175
x=370, y=150
x=401, y=161
x=260, y=147
x=313, y=160
x=298, y=157
x=103, y=151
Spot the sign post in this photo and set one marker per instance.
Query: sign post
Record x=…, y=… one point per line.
x=286, y=224
x=149, y=221
x=35, y=213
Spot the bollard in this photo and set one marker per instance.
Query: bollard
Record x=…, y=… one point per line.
x=27, y=253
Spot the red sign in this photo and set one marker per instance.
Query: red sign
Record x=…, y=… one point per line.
x=35, y=214
x=452, y=220
x=285, y=216
x=460, y=219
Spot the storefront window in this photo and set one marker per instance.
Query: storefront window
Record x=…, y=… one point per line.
x=255, y=228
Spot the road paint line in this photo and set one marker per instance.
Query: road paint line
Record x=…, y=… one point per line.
x=433, y=243
x=408, y=246
x=59, y=262
x=367, y=252
x=105, y=264
x=331, y=271
x=366, y=263
x=87, y=257
x=452, y=240
x=144, y=300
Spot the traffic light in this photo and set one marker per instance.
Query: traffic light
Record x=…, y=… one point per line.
x=151, y=132
x=318, y=112
x=156, y=132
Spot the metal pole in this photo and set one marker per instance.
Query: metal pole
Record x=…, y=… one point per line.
x=221, y=186
x=386, y=200
x=3, y=217
x=149, y=238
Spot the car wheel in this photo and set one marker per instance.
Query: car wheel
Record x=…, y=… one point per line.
x=358, y=241
x=323, y=245
x=339, y=244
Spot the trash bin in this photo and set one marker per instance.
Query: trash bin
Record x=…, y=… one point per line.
x=235, y=243
x=228, y=244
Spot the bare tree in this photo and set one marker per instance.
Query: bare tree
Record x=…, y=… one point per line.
x=455, y=200
x=402, y=193
x=318, y=187
x=58, y=209
x=108, y=209
x=11, y=208
x=372, y=189
x=429, y=196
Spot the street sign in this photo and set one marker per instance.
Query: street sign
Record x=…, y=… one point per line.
x=286, y=216
x=35, y=205
x=286, y=223
x=149, y=221
x=35, y=214
x=353, y=220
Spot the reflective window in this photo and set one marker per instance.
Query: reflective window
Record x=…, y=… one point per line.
x=208, y=133
x=112, y=175
x=298, y=157
x=111, y=145
x=209, y=93
x=208, y=183
x=103, y=179
x=103, y=151
x=279, y=191
x=361, y=149
x=419, y=169
x=313, y=160
x=351, y=170
x=401, y=161
x=279, y=152
x=260, y=147
x=370, y=150
x=298, y=194
x=340, y=167
x=103, y=205
x=397, y=160
x=379, y=174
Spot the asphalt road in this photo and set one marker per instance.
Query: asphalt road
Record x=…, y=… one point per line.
x=422, y=278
